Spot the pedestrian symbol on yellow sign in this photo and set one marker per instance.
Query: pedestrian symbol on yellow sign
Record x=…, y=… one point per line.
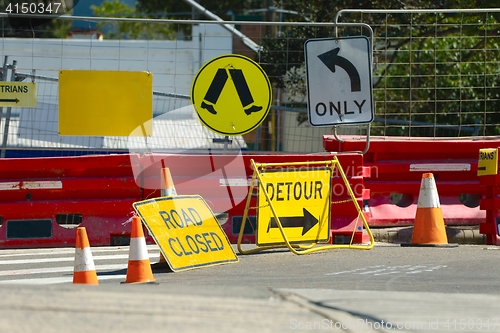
x=231, y=108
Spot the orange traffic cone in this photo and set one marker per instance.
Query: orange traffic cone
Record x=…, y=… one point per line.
x=428, y=228
x=139, y=267
x=168, y=188
x=84, y=271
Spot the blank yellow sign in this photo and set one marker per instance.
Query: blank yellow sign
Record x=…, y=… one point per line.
x=105, y=103
x=186, y=231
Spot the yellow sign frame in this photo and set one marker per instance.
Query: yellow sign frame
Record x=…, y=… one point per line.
x=300, y=248
x=186, y=231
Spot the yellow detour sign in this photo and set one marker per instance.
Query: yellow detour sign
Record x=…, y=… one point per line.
x=301, y=201
x=105, y=103
x=231, y=94
x=488, y=162
x=18, y=94
x=186, y=231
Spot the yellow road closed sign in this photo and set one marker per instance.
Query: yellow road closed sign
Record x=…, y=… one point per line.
x=187, y=232
x=301, y=200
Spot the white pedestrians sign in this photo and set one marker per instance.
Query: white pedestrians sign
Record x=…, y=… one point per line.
x=339, y=81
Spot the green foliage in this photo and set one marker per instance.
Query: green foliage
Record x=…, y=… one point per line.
x=128, y=30
x=430, y=68
x=180, y=9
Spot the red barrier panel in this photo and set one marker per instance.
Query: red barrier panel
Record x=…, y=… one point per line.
x=397, y=165
x=223, y=181
x=491, y=204
x=42, y=200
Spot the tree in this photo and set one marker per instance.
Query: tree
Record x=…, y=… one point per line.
x=465, y=93
x=30, y=27
x=129, y=30
x=405, y=79
x=181, y=9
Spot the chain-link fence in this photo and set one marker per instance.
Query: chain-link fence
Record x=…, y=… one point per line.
x=435, y=74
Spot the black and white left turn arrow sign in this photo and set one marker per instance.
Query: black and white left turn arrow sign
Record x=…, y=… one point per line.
x=339, y=85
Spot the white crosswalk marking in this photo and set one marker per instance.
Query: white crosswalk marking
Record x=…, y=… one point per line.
x=50, y=266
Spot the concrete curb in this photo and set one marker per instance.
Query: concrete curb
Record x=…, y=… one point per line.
x=456, y=234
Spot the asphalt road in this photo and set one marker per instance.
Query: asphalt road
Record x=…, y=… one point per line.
x=387, y=267
x=410, y=289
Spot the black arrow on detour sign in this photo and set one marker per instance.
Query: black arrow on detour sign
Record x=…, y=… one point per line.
x=307, y=222
x=332, y=59
x=9, y=100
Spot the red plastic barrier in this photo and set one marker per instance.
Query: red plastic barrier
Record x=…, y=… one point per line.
x=42, y=200
x=491, y=204
x=223, y=181
x=397, y=166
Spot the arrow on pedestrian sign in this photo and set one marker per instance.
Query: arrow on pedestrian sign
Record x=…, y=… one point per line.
x=9, y=100
x=332, y=59
x=307, y=222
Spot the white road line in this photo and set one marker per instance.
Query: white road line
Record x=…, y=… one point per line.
x=27, y=274
x=62, y=279
x=51, y=251
x=29, y=271
x=61, y=259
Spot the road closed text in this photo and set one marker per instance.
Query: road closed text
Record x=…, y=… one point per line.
x=190, y=242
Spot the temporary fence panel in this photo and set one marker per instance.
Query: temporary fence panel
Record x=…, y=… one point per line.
x=172, y=51
x=434, y=71
x=435, y=74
